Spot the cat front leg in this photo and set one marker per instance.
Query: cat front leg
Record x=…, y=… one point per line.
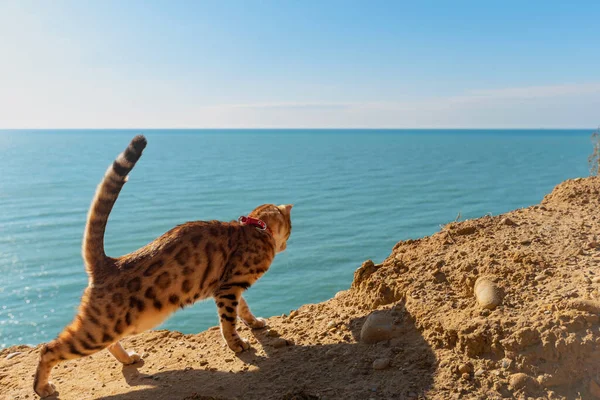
x=227, y=303
x=247, y=316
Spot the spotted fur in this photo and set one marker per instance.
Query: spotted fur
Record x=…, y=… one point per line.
x=136, y=292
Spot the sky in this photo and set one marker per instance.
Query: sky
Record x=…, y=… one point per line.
x=299, y=64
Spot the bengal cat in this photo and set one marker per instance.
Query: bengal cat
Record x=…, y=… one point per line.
x=191, y=262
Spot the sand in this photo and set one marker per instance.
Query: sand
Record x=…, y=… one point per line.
x=410, y=327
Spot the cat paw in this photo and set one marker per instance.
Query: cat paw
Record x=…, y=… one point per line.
x=238, y=345
x=47, y=390
x=133, y=358
x=258, y=323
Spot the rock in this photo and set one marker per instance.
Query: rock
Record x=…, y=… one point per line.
x=465, y=368
x=540, y=278
x=12, y=355
x=465, y=376
x=381, y=363
x=487, y=293
x=522, y=381
x=505, y=363
x=596, y=279
x=272, y=333
x=331, y=324
x=279, y=343
x=378, y=327
x=479, y=372
x=594, y=389
x=507, y=221
x=592, y=245
x=293, y=314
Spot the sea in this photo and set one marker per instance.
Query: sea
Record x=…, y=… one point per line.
x=356, y=193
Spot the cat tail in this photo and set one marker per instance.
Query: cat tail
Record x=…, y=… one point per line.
x=104, y=200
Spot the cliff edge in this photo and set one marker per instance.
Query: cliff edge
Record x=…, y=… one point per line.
x=410, y=327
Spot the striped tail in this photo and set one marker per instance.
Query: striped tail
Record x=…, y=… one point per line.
x=104, y=200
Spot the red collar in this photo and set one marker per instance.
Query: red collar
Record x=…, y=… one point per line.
x=257, y=223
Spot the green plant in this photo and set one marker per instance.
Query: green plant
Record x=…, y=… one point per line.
x=594, y=158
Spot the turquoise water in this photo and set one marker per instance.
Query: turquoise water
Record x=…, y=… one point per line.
x=356, y=194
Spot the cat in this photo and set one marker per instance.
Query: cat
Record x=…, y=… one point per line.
x=193, y=261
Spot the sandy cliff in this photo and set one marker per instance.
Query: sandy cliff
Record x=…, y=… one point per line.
x=424, y=335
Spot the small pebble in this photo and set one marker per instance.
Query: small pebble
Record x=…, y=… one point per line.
x=487, y=293
x=381, y=363
x=272, y=333
x=508, y=221
x=519, y=381
x=465, y=369
x=540, y=278
x=439, y=276
x=279, y=343
x=596, y=279
x=479, y=372
x=331, y=324
x=465, y=376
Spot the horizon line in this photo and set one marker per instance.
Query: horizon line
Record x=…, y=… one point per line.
x=294, y=129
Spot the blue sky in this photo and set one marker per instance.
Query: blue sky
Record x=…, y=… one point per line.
x=299, y=64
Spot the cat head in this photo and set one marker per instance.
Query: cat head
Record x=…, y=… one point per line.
x=278, y=220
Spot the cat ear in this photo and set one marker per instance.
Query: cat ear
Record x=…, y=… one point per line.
x=286, y=208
